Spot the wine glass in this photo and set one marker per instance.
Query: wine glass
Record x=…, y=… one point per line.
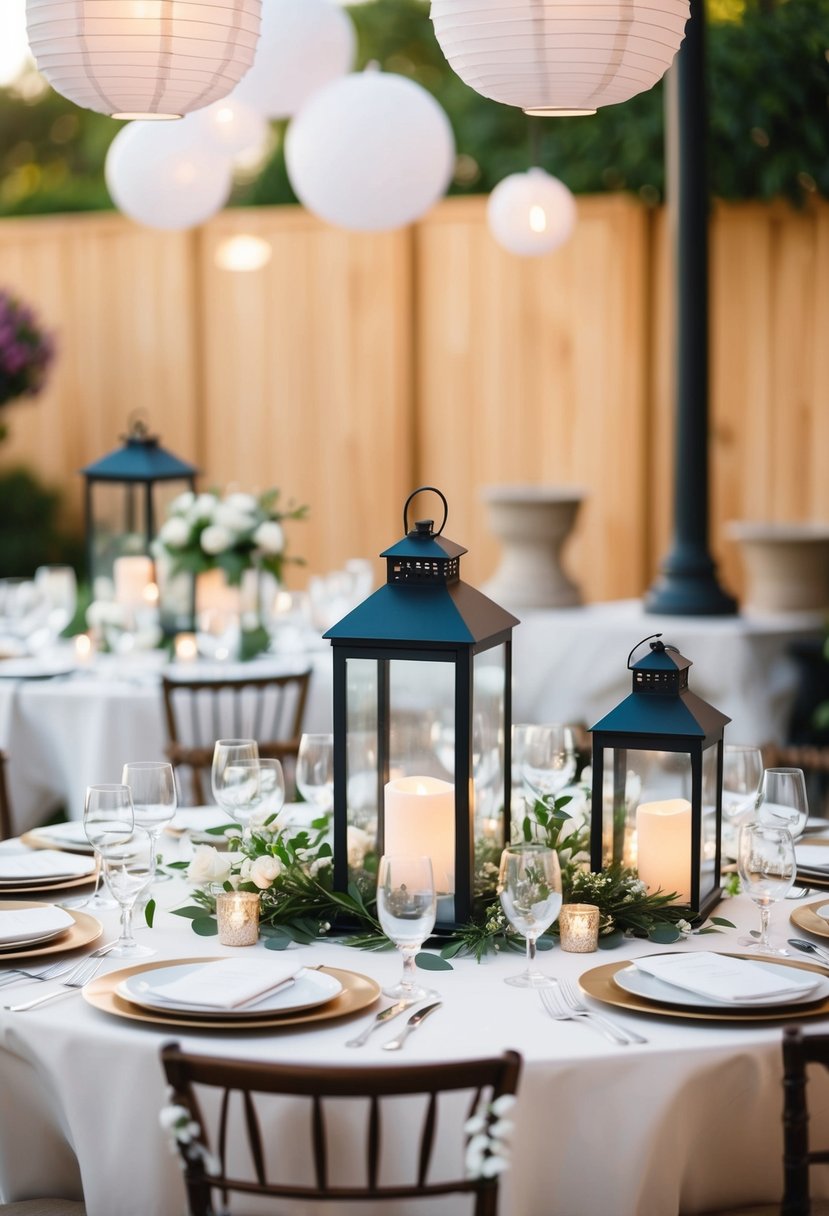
x=129, y=869
x=529, y=884
x=782, y=801
x=235, y=776
x=548, y=761
x=153, y=788
x=108, y=821
x=315, y=771
x=58, y=589
x=259, y=790
x=766, y=862
x=742, y=772
x=406, y=908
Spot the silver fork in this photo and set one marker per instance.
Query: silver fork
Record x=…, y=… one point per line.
x=82, y=974
x=574, y=1001
x=20, y=975
x=553, y=1002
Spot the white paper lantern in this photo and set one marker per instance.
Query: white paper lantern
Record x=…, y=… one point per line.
x=161, y=177
x=369, y=152
x=230, y=126
x=531, y=213
x=305, y=44
x=554, y=57
x=143, y=58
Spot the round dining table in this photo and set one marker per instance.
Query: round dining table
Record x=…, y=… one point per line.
x=684, y=1123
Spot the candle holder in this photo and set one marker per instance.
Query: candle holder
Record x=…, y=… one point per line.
x=579, y=928
x=237, y=913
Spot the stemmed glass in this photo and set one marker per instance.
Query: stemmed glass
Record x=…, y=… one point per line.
x=548, y=760
x=529, y=884
x=742, y=772
x=129, y=869
x=108, y=821
x=235, y=785
x=153, y=788
x=766, y=863
x=315, y=770
x=782, y=801
x=258, y=790
x=406, y=908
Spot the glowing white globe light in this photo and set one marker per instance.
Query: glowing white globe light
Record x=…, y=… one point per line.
x=143, y=58
x=554, y=58
x=230, y=126
x=369, y=152
x=160, y=177
x=243, y=252
x=531, y=213
x=305, y=44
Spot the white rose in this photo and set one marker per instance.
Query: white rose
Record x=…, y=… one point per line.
x=264, y=871
x=203, y=507
x=235, y=521
x=270, y=537
x=358, y=845
x=245, y=503
x=244, y=870
x=215, y=539
x=175, y=532
x=208, y=865
x=182, y=504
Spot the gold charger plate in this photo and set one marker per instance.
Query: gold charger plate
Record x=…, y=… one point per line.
x=33, y=841
x=806, y=917
x=358, y=992
x=86, y=929
x=59, y=884
x=599, y=984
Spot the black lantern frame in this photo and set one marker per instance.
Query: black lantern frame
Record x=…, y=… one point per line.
x=662, y=715
x=424, y=614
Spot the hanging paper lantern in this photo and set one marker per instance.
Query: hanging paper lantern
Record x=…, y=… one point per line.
x=161, y=177
x=554, y=58
x=230, y=126
x=143, y=58
x=531, y=213
x=370, y=152
x=305, y=44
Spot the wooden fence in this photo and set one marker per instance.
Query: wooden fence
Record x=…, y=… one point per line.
x=355, y=367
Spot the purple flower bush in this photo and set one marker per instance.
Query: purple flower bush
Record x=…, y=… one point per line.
x=26, y=351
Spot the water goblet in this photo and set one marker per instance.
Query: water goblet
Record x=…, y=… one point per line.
x=742, y=772
x=235, y=776
x=529, y=885
x=406, y=909
x=108, y=821
x=129, y=869
x=548, y=761
x=782, y=800
x=153, y=788
x=315, y=771
x=766, y=863
x=259, y=791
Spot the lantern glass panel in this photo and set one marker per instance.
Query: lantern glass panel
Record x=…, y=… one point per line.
x=708, y=855
x=488, y=735
x=117, y=529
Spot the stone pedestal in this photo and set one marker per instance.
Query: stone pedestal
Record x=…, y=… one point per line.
x=786, y=565
x=532, y=523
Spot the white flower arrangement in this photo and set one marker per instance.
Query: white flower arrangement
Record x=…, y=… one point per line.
x=184, y=1133
x=489, y=1133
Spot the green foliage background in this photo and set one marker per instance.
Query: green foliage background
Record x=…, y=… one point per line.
x=769, y=134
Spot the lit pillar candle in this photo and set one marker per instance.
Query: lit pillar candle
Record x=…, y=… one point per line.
x=83, y=648
x=187, y=650
x=132, y=576
x=663, y=844
x=419, y=821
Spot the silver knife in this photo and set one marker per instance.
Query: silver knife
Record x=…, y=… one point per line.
x=385, y=1015
x=412, y=1024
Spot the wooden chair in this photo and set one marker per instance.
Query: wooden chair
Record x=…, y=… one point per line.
x=5, y=806
x=43, y=1207
x=311, y=1092
x=198, y=712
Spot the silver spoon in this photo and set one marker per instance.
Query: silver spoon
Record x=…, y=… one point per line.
x=800, y=943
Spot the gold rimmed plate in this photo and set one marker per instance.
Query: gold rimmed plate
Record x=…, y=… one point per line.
x=358, y=991
x=39, y=887
x=599, y=984
x=67, y=837
x=806, y=917
x=82, y=932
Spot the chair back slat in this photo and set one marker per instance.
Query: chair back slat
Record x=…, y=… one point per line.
x=373, y=1142
x=427, y=1140
x=5, y=806
x=254, y=1137
x=319, y=1143
x=799, y=1051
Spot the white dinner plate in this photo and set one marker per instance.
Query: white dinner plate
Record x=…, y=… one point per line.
x=194, y=822
x=22, y=935
x=38, y=867
x=34, y=669
x=310, y=988
x=639, y=983
x=61, y=836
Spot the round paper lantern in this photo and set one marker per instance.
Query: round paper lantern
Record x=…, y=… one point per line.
x=554, y=58
x=230, y=126
x=158, y=176
x=370, y=152
x=305, y=44
x=531, y=213
x=143, y=58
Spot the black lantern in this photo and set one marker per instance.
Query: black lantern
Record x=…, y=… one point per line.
x=657, y=782
x=422, y=672
x=127, y=492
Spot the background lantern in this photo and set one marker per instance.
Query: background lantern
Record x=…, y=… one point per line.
x=143, y=58
x=657, y=782
x=422, y=717
x=127, y=492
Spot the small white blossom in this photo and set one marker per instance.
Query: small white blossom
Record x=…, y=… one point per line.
x=203, y=508
x=208, y=865
x=215, y=539
x=236, y=522
x=182, y=503
x=264, y=871
x=269, y=537
x=359, y=843
x=244, y=503
x=174, y=532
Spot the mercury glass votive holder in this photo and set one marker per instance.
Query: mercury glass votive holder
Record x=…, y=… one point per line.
x=237, y=913
x=579, y=928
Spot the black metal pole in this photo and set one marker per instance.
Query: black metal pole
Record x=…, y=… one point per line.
x=687, y=582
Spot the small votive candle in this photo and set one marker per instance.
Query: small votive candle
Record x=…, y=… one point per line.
x=237, y=913
x=579, y=928
x=187, y=650
x=84, y=649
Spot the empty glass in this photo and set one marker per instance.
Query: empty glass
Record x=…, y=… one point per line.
x=548, y=760
x=153, y=788
x=406, y=909
x=315, y=771
x=766, y=862
x=129, y=869
x=782, y=801
x=234, y=776
x=108, y=822
x=529, y=885
x=258, y=790
x=742, y=772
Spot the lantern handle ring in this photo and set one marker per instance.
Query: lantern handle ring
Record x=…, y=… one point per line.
x=653, y=647
x=414, y=493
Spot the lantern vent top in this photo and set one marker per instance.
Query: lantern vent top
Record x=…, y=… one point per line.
x=424, y=556
x=661, y=672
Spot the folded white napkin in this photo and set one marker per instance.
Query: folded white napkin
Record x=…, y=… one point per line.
x=727, y=979
x=43, y=863
x=64, y=833
x=224, y=984
x=813, y=855
x=21, y=924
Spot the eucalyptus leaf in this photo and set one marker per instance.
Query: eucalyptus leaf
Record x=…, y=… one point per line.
x=665, y=935
x=452, y=949
x=205, y=926
x=545, y=942
x=279, y=940
x=149, y=912
x=720, y=920
x=191, y=912
x=610, y=941
x=432, y=962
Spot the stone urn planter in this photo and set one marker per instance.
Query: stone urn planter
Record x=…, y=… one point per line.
x=786, y=565
x=532, y=523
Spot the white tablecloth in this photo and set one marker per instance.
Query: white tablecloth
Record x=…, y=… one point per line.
x=685, y=1123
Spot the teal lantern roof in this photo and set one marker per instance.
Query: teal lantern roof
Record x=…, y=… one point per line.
x=140, y=459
